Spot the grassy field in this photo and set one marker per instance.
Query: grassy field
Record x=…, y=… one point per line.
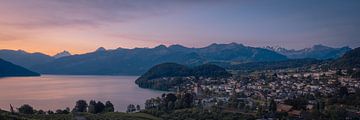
x=4, y=115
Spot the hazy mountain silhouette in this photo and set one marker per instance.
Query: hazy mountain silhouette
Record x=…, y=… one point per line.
x=8, y=69
x=317, y=51
x=138, y=60
x=25, y=59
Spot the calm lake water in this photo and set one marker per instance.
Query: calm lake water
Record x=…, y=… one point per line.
x=61, y=91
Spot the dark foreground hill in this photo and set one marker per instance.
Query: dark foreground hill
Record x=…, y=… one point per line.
x=9, y=69
x=350, y=59
x=167, y=75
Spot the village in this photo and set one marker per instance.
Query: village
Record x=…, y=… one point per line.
x=255, y=92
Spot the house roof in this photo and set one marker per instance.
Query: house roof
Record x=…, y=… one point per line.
x=283, y=108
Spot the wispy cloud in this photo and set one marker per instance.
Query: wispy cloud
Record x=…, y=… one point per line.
x=8, y=37
x=89, y=13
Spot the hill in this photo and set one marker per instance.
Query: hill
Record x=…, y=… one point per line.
x=138, y=60
x=167, y=75
x=9, y=69
x=350, y=59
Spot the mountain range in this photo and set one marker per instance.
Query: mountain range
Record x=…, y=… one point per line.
x=320, y=52
x=136, y=61
x=25, y=59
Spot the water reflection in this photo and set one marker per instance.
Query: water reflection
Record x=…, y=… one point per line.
x=60, y=91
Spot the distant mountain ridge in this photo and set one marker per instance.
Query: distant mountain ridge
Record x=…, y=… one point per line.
x=138, y=60
x=8, y=69
x=62, y=54
x=24, y=59
x=320, y=52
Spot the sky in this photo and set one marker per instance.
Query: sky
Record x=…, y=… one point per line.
x=81, y=26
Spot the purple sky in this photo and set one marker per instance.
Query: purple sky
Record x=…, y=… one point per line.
x=81, y=26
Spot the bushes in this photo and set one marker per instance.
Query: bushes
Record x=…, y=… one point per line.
x=26, y=109
x=198, y=114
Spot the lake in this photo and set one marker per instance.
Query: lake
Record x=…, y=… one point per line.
x=61, y=91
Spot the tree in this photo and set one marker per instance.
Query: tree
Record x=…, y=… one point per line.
x=339, y=72
x=41, y=112
x=170, y=97
x=260, y=111
x=233, y=102
x=272, y=106
x=80, y=106
x=99, y=108
x=179, y=104
x=59, y=111
x=130, y=108
x=171, y=105
x=12, y=109
x=109, y=107
x=66, y=110
x=343, y=91
x=50, y=112
x=138, y=107
x=26, y=109
x=188, y=100
x=91, y=107
x=149, y=104
x=241, y=105
x=336, y=113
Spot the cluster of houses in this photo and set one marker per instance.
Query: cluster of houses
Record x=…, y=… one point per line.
x=257, y=89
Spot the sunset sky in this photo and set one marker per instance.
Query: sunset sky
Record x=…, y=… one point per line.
x=80, y=26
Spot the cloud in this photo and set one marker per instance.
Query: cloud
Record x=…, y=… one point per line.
x=8, y=37
x=35, y=14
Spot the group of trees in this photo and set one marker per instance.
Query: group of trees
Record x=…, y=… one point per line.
x=170, y=101
x=93, y=106
x=132, y=108
x=98, y=107
x=28, y=109
x=80, y=106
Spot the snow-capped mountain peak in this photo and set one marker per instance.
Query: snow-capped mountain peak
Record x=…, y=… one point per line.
x=62, y=54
